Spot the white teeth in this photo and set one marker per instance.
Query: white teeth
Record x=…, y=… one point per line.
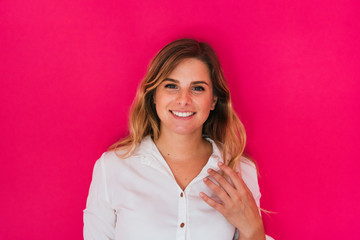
x=182, y=114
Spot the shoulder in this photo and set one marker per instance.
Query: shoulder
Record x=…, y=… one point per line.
x=110, y=157
x=111, y=162
x=246, y=166
x=123, y=158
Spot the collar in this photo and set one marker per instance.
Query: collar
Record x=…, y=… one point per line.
x=150, y=155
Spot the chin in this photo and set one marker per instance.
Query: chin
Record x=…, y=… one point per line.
x=187, y=131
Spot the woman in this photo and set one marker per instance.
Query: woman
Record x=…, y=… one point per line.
x=180, y=173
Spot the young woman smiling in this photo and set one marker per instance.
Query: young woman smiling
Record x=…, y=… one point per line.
x=180, y=173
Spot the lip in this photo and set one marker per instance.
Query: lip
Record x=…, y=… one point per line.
x=182, y=111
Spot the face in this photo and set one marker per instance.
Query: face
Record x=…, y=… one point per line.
x=184, y=99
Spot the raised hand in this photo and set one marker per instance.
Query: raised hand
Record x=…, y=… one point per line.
x=237, y=203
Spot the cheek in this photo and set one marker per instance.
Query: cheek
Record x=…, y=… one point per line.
x=206, y=103
x=157, y=106
x=161, y=103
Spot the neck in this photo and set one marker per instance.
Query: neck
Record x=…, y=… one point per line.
x=182, y=147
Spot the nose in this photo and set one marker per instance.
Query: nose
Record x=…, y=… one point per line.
x=184, y=98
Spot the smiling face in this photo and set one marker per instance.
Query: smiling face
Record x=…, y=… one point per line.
x=184, y=98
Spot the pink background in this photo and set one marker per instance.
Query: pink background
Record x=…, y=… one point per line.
x=69, y=71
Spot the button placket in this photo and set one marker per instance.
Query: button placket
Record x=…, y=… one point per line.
x=182, y=216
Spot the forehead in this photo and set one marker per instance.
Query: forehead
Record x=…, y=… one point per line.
x=191, y=69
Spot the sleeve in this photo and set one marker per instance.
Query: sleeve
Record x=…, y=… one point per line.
x=99, y=216
x=250, y=177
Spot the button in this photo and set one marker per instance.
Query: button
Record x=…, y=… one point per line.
x=181, y=194
x=182, y=225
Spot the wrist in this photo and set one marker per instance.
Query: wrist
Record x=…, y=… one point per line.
x=257, y=235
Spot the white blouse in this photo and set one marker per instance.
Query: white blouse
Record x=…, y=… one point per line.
x=138, y=198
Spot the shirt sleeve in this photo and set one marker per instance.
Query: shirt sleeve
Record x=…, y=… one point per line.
x=99, y=216
x=250, y=177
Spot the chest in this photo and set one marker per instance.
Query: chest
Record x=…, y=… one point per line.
x=149, y=200
x=185, y=172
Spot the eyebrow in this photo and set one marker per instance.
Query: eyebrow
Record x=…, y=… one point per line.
x=177, y=81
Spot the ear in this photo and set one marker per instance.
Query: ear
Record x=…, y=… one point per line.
x=213, y=104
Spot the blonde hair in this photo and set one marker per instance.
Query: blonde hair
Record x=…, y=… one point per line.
x=222, y=125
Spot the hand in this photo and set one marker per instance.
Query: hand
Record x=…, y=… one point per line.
x=238, y=205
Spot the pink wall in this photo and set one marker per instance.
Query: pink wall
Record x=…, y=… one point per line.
x=69, y=71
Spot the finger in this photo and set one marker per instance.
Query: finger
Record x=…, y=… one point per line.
x=223, y=182
x=212, y=203
x=224, y=197
x=234, y=177
x=242, y=180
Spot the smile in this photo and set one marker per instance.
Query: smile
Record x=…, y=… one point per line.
x=182, y=114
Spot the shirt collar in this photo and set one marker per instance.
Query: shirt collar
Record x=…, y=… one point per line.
x=150, y=155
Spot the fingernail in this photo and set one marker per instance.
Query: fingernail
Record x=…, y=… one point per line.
x=209, y=170
x=205, y=179
x=220, y=163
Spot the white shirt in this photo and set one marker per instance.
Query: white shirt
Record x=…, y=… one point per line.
x=139, y=198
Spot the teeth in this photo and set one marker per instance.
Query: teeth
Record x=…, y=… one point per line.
x=182, y=114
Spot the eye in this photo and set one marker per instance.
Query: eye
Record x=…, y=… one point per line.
x=198, y=88
x=172, y=86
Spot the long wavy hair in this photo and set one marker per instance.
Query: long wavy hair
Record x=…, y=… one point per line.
x=222, y=125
